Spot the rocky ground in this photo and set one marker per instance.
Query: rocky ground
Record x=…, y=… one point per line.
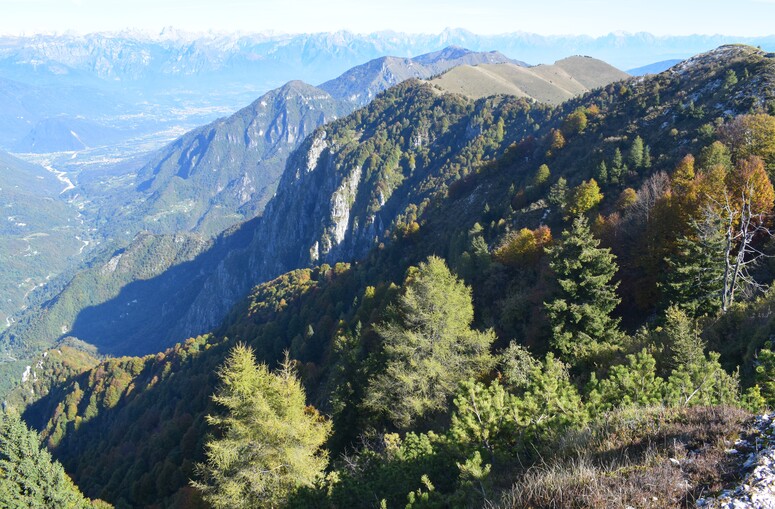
x=757, y=489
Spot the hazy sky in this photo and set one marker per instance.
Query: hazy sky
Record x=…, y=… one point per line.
x=594, y=17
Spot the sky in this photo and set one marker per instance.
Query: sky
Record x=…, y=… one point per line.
x=591, y=17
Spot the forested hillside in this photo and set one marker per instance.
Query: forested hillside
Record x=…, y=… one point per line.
x=345, y=188
x=208, y=180
x=557, y=306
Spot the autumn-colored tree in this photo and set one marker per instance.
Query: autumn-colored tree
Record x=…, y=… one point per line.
x=584, y=198
x=627, y=198
x=750, y=198
x=575, y=123
x=751, y=135
x=523, y=246
x=556, y=140
x=684, y=186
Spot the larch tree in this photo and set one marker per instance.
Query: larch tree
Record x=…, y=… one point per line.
x=429, y=346
x=636, y=153
x=269, y=442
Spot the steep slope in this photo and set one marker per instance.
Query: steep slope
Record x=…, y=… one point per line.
x=654, y=68
x=343, y=190
x=225, y=172
x=359, y=85
x=38, y=232
x=378, y=171
x=206, y=181
x=552, y=84
x=60, y=134
x=142, y=420
x=347, y=186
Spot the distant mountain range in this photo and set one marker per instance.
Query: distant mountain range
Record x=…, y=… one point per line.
x=198, y=75
x=654, y=68
x=227, y=172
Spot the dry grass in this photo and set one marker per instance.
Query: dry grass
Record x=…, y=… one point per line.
x=649, y=458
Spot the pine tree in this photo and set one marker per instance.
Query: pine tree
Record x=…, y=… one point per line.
x=617, y=167
x=765, y=373
x=646, y=157
x=550, y=402
x=429, y=346
x=580, y=315
x=696, y=378
x=269, y=441
x=485, y=417
x=633, y=384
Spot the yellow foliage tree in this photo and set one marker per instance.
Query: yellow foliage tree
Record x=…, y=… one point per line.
x=584, y=198
x=523, y=246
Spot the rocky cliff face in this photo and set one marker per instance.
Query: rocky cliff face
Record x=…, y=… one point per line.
x=225, y=172
x=350, y=183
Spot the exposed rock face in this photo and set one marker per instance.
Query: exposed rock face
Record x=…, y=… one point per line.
x=757, y=490
x=224, y=173
x=228, y=170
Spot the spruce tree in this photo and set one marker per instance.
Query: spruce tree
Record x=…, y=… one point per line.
x=580, y=314
x=646, y=157
x=601, y=173
x=29, y=477
x=617, y=167
x=694, y=277
x=269, y=441
x=558, y=193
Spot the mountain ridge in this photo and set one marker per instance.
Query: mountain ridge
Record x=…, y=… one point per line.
x=552, y=84
x=329, y=317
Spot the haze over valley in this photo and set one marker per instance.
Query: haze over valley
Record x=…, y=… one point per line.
x=246, y=263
